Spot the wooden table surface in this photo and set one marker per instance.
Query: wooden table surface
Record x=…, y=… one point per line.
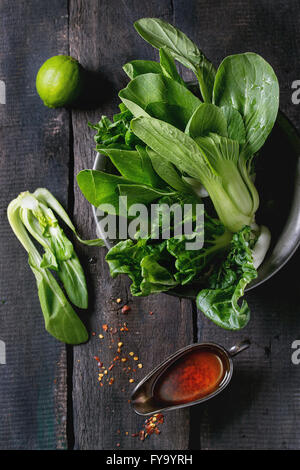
x=49, y=394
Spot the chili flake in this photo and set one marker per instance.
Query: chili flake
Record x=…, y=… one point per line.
x=126, y=309
x=150, y=427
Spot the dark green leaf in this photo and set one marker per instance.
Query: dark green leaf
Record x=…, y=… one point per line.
x=101, y=188
x=205, y=119
x=162, y=34
x=248, y=83
x=151, y=88
x=139, y=67
x=60, y=319
x=168, y=172
x=141, y=194
x=235, y=124
x=220, y=303
x=168, y=66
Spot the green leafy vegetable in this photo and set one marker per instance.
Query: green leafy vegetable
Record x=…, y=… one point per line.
x=153, y=94
x=161, y=34
x=190, y=264
x=247, y=83
x=59, y=255
x=207, y=118
x=26, y=212
x=139, y=67
x=140, y=261
x=169, y=147
x=168, y=66
x=228, y=281
x=115, y=134
x=213, y=160
x=101, y=188
x=44, y=196
x=168, y=172
x=134, y=165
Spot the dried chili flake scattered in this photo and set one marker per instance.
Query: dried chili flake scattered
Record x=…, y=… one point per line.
x=126, y=309
x=150, y=427
x=118, y=345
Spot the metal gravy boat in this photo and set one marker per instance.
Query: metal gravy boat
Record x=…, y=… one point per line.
x=143, y=400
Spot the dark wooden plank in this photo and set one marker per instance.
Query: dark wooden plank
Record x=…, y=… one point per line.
x=260, y=409
x=103, y=39
x=34, y=152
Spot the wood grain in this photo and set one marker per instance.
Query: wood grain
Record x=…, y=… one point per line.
x=102, y=38
x=34, y=152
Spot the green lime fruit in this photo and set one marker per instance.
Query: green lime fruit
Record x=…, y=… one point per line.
x=58, y=81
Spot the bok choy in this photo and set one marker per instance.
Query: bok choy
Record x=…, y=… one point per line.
x=32, y=216
x=168, y=141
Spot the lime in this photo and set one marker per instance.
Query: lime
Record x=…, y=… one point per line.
x=58, y=81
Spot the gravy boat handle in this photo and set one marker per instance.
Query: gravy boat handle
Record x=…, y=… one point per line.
x=237, y=348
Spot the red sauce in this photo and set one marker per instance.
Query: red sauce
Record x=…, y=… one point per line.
x=193, y=376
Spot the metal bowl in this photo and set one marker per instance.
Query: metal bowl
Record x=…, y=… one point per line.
x=278, y=184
